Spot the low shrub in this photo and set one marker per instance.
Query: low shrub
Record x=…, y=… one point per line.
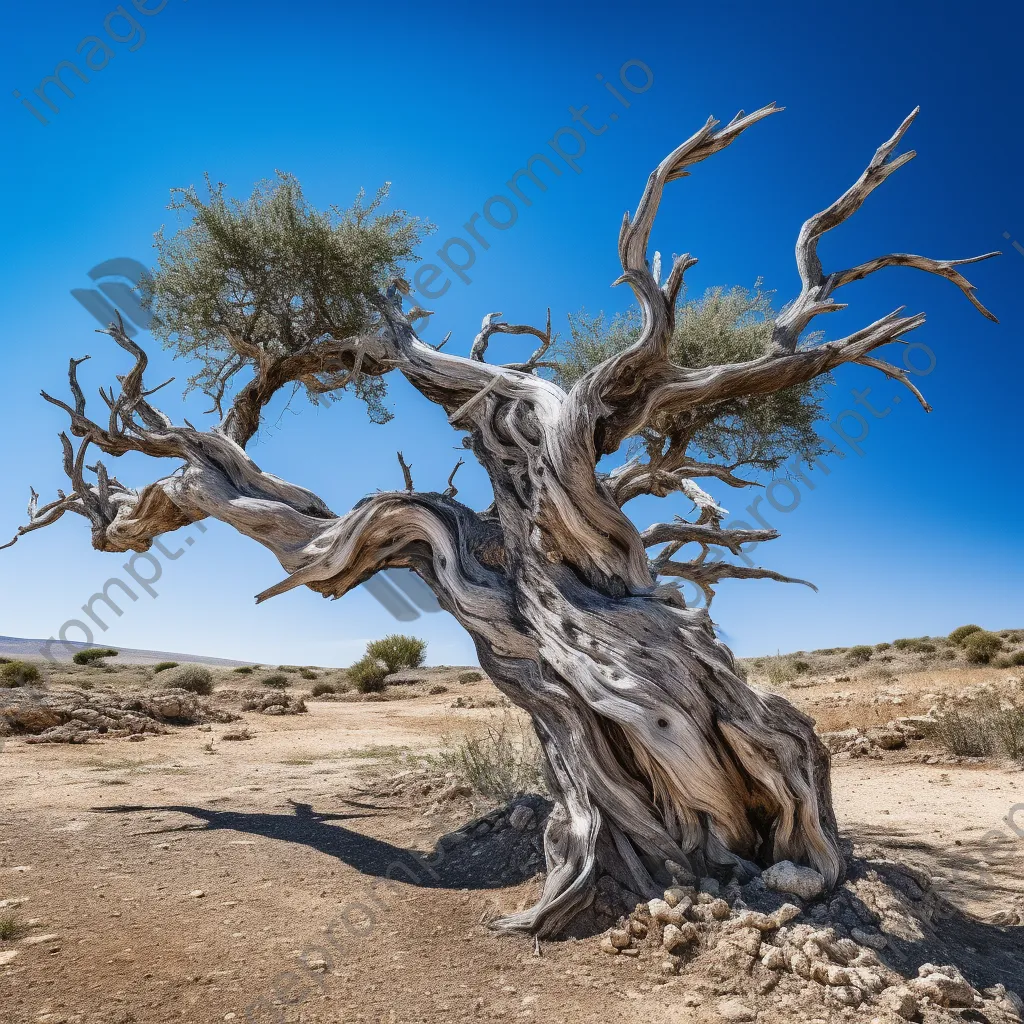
x=884, y=646
x=277, y=681
x=500, y=764
x=368, y=675
x=980, y=647
x=319, y=689
x=10, y=927
x=436, y=689
x=859, y=654
x=470, y=677
x=780, y=670
x=244, y=670
x=398, y=651
x=962, y=632
x=915, y=645
x=308, y=673
x=194, y=678
x=163, y=666
x=1017, y=658
x=988, y=726
x=18, y=673
x=288, y=668
x=800, y=667
x=92, y=655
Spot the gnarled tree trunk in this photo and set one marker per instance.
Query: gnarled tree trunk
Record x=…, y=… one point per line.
x=661, y=760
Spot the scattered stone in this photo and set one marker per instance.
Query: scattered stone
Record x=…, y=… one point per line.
x=876, y=940
x=734, y=1010
x=785, y=876
x=945, y=986
x=888, y=739
x=522, y=818
x=900, y=1001
x=6, y=956
x=619, y=938
x=673, y=936
x=196, y=894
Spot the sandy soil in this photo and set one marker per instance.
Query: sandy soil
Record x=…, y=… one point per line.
x=186, y=878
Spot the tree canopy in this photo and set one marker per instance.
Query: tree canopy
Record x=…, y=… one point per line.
x=271, y=276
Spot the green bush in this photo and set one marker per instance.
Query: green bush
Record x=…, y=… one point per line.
x=368, y=675
x=18, y=673
x=288, y=668
x=980, y=647
x=1017, y=658
x=962, y=632
x=779, y=671
x=882, y=646
x=470, y=677
x=194, y=678
x=915, y=645
x=163, y=666
x=800, y=667
x=243, y=670
x=859, y=654
x=277, y=681
x=308, y=673
x=319, y=689
x=10, y=926
x=398, y=652
x=93, y=654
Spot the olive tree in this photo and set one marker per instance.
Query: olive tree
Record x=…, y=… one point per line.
x=662, y=761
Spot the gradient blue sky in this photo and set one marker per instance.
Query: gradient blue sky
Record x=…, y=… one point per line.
x=918, y=534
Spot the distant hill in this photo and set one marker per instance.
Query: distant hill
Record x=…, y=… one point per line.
x=16, y=647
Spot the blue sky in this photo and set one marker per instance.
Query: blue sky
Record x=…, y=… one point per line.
x=916, y=535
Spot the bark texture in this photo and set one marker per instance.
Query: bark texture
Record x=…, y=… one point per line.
x=662, y=761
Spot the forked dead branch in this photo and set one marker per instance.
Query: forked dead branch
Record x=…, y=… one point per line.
x=662, y=761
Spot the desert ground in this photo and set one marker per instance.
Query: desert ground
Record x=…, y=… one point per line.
x=298, y=873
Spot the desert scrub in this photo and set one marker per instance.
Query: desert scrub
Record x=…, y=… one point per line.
x=986, y=727
x=163, y=666
x=277, y=681
x=962, y=632
x=319, y=689
x=368, y=675
x=243, y=670
x=10, y=927
x=500, y=764
x=18, y=673
x=859, y=654
x=398, y=651
x=470, y=677
x=93, y=655
x=436, y=689
x=980, y=647
x=194, y=678
x=779, y=671
x=884, y=646
x=800, y=666
x=308, y=673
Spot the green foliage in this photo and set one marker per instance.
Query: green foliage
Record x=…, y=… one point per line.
x=308, y=673
x=276, y=274
x=244, y=670
x=163, y=666
x=470, y=677
x=503, y=762
x=368, y=675
x=780, y=670
x=800, y=666
x=915, y=645
x=277, y=681
x=962, y=632
x=859, y=654
x=10, y=926
x=93, y=654
x=725, y=326
x=18, y=673
x=980, y=646
x=398, y=652
x=194, y=678
x=1017, y=658
x=882, y=646
x=319, y=689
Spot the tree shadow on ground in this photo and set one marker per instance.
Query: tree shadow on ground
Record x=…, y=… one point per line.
x=486, y=853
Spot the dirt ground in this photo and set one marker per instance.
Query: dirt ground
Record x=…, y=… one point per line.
x=189, y=878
